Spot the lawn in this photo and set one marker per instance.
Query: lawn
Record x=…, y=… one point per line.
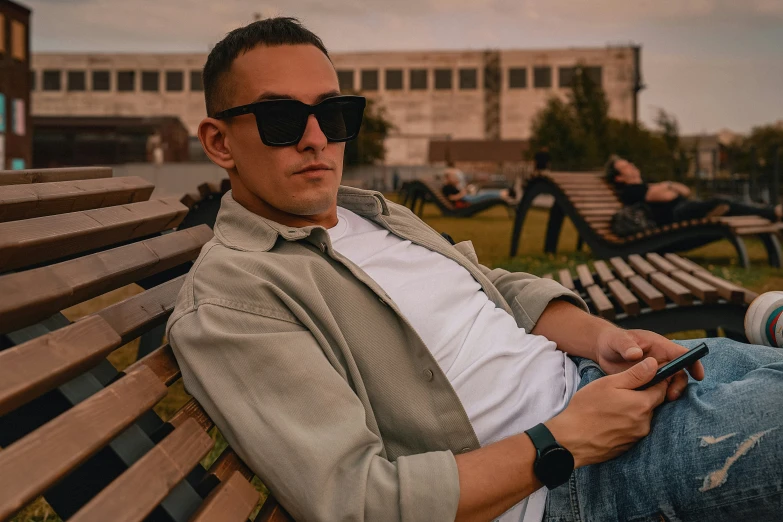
x=490, y=232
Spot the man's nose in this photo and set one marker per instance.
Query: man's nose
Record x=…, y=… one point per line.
x=313, y=137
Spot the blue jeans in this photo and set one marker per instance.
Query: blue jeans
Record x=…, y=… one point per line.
x=485, y=195
x=716, y=454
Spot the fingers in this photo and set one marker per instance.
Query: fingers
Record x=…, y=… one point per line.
x=636, y=375
x=677, y=385
x=696, y=370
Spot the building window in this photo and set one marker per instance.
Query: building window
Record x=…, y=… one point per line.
x=196, y=81
x=150, y=81
x=596, y=74
x=542, y=77
x=17, y=164
x=101, y=81
x=51, y=80
x=126, y=81
x=468, y=79
x=32, y=79
x=77, y=81
x=443, y=79
x=345, y=79
x=2, y=51
x=393, y=79
x=370, y=80
x=2, y=127
x=18, y=41
x=418, y=79
x=175, y=81
x=517, y=78
x=565, y=77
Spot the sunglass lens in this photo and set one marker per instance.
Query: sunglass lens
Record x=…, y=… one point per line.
x=340, y=120
x=281, y=124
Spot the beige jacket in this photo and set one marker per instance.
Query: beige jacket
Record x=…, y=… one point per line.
x=314, y=376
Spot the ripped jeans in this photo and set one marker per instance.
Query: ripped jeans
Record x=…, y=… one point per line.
x=716, y=454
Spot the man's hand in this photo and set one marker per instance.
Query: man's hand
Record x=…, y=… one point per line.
x=618, y=349
x=606, y=417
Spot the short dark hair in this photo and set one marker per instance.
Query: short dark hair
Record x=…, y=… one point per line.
x=611, y=169
x=271, y=32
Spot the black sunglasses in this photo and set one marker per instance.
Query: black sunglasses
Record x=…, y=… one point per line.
x=283, y=122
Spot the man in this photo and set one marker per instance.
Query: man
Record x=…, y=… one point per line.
x=366, y=369
x=668, y=201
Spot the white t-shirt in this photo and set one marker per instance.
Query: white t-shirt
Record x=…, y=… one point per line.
x=507, y=379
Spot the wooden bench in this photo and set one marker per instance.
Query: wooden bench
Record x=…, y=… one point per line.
x=590, y=202
x=665, y=294
x=72, y=427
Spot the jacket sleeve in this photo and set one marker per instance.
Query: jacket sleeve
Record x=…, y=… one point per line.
x=297, y=423
x=527, y=295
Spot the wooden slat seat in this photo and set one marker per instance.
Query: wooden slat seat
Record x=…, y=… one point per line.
x=565, y=279
x=231, y=501
x=589, y=201
x=44, y=199
x=42, y=239
x=23, y=177
x=700, y=289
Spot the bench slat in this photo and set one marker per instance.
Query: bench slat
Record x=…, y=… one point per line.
x=135, y=493
x=565, y=279
x=162, y=363
x=660, y=263
x=37, y=366
x=673, y=290
x=627, y=301
x=584, y=275
x=683, y=264
x=272, y=511
x=45, y=199
x=603, y=305
x=38, y=460
x=623, y=270
x=603, y=271
x=642, y=267
x=231, y=501
x=700, y=289
x=192, y=410
x=16, y=177
x=140, y=313
x=38, y=240
x=760, y=229
x=36, y=294
x=647, y=292
x=727, y=290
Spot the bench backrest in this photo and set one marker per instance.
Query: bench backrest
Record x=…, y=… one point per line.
x=74, y=428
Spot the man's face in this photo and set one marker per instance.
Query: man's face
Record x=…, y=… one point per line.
x=629, y=174
x=284, y=178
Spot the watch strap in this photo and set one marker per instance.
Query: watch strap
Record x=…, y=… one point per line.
x=542, y=438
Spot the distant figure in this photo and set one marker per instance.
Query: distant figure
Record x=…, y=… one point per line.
x=668, y=201
x=395, y=180
x=542, y=159
x=460, y=197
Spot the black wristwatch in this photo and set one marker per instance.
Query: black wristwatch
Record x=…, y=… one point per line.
x=554, y=464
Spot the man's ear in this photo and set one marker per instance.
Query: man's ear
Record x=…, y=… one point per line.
x=214, y=139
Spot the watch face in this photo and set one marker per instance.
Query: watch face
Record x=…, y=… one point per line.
x=554, y=467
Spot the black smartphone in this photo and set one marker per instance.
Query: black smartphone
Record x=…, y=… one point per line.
x=681, y=362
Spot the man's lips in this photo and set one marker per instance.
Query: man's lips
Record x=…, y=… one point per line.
x=313, y=168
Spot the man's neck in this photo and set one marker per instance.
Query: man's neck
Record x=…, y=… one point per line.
x=258, y=206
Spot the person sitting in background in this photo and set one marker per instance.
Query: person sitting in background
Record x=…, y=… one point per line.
x=668, y=200
x=461, y=197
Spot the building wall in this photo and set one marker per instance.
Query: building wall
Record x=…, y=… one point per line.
x=15, y=128
x=463, y=110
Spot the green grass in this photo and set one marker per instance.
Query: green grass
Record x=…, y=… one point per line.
x=490, y=233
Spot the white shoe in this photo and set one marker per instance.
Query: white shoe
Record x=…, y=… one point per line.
x=764, y=320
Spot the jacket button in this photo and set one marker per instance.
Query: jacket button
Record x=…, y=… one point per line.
x=323, y=247
x=428, y=374
x=464, y=450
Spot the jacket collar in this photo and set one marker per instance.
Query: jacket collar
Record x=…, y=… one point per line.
x=240, y=229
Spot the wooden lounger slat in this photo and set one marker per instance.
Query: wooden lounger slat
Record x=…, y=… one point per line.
x=161, y=362
x=603, y=306
x=192, y=410
x=647, y=292
x=134, y=316
x=700, y=289
x=231, y=501
x=150, y=478
x=761, y=229
x=33, y=295
x=726, y=290
x=642, y=267
x=47, y=238
x=16, y=177
x=584, y=275
x=547, y=276
x=227, y=464
x=672, y=289
x=565, y=279
x=683, y=264
x=272, y=511
x=660, y=263
x=604, y=273
x=45, y=199
x=742, y=220
x=621, y=267
x=38, y=460
x=37, y=366
x=627, y=301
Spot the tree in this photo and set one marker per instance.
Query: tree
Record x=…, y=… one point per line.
x=368, y=147
x=670, y=132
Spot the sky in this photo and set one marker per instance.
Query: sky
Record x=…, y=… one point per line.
x=714, y=64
